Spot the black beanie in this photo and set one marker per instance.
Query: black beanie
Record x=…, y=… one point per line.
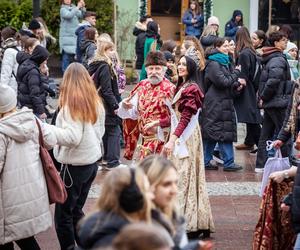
x=34, y=25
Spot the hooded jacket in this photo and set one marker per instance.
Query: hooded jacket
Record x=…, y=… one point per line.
x=31, y=91
x=24, y=202
x=275, y=85
x=231, y=26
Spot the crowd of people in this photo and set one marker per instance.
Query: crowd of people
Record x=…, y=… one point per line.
x=179, y=121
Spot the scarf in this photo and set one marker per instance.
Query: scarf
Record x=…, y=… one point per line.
x=220, y=58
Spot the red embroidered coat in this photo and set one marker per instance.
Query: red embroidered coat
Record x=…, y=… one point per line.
x=151, y=106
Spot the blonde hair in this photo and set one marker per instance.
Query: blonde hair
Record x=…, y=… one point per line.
x=209, y=30
x=103, y=44
x=79, y=95
x=113, y=184
x=105, y=37
x=156, y=168
x=271, y=29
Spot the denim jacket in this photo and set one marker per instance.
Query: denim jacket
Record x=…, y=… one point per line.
x=190, y=28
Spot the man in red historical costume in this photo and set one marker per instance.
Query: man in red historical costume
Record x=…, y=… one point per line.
x=145, y=111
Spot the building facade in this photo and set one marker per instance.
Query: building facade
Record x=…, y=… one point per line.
x=169, y=13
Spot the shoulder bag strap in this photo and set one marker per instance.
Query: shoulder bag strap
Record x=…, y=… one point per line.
x=41, y=140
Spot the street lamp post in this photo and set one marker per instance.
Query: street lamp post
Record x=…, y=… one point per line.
x=36, y=8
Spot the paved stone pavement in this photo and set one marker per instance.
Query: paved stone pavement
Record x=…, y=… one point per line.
x=234, y=201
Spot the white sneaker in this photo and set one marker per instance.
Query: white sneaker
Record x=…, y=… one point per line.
x=218, y=160
x=258, y=170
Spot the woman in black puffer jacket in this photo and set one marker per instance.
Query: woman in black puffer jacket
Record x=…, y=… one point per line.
x=31, y=92
x=218, y=119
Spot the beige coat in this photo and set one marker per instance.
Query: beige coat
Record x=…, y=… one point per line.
x=24, y=205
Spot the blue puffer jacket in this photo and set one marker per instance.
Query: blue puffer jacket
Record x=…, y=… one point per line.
x=190, y=28
x=69, y=20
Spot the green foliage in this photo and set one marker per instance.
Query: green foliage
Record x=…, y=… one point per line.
x=208, y=9
x=103, y=8
x=14, y=13
x=143, y=8
x=50, y=14
x=105, y=14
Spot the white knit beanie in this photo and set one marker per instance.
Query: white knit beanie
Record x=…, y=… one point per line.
x=8, y=99
x=213, y=20
x=290, y=46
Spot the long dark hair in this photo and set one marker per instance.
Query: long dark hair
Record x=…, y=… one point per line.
x=243, y=40
x=197, y=9
x=191, y=69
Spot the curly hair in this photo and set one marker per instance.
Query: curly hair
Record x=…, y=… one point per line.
x=199, y=49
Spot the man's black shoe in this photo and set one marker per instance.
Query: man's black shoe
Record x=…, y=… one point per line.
x=211, y=167
x=233, y=168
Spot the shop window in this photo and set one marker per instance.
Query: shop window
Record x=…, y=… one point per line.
x=283, y=12
x=165, y=8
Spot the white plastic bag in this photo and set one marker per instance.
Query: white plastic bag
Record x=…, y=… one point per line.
x=273, y=164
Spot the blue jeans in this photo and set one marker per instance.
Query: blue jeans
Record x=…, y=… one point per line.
x=66, y=60
x=226, y=152
x=297, y=244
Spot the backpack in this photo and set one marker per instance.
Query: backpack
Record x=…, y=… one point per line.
x=2, y=51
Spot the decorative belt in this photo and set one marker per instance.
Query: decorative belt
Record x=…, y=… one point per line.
x=149, y=137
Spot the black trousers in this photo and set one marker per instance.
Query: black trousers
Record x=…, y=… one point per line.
x=25, y=244
x=252, y=134
x=272, y=123
x=78, y=180
x=111, y=144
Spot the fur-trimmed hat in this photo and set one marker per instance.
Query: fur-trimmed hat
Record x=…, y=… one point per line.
x=155, y=58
